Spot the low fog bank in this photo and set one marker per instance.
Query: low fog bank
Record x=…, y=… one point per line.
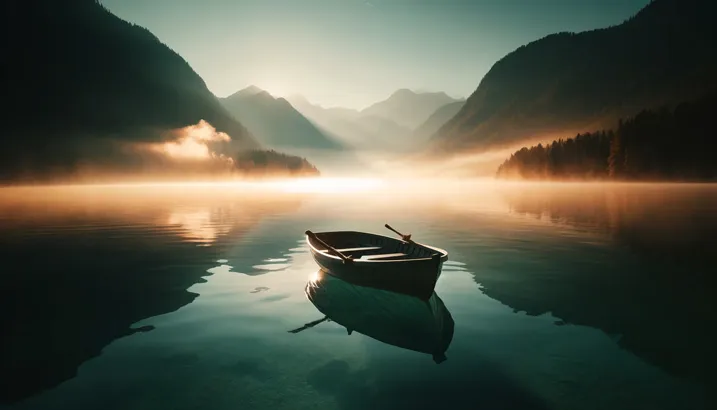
x=391, y=165
x=194, y=152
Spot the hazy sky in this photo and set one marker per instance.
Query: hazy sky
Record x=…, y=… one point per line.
x=354, y=52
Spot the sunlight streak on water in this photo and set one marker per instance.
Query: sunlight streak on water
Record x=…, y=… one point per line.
x=315, y=276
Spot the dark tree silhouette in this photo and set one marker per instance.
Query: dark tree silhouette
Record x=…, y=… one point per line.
x=272, y=162
x=662, y=144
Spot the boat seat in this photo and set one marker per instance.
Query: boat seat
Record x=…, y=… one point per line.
x=366, y=248
x=382, y=256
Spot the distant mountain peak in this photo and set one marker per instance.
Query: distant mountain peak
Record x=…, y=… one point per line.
x=403, y=92
x=250, y=90
x=276, y=122
x=264, y=94
x=406, y=92
x=408, y=108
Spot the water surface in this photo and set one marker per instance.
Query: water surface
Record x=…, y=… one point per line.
x=563, y=296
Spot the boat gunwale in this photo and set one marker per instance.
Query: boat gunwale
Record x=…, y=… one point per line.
x=442, y=252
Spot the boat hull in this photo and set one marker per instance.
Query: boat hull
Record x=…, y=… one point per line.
x=416, y=277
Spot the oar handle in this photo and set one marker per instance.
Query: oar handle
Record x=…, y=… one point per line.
x=406, y=238
x=328, y=247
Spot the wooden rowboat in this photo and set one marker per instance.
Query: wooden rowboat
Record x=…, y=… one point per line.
x=392, y=318
x=367, y=259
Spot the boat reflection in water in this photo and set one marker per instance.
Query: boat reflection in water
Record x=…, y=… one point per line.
x=389, y=317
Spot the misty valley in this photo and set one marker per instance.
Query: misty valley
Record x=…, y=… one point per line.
x=233, y=204
x=98, y=99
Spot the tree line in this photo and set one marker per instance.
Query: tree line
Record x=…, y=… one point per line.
x=659, y=144
x=272, y=162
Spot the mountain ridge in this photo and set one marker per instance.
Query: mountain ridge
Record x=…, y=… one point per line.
x=433, y=123
x=569, y=81
x=88, y=89
x=353, y=128
x=275, y=121
x=408, y=108
x=249, y=90
x=375, y=128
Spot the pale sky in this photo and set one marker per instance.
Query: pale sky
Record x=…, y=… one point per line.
x=352, y=53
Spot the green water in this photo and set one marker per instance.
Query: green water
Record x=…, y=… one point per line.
x=563, y=297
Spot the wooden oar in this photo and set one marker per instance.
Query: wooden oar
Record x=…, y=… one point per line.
x=328, y=247
x=310, y=324
x=406, y=238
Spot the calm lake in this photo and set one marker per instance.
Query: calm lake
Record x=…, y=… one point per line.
x=562, y=296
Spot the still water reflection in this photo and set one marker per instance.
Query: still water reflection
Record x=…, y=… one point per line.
x=394, y=318
x=562, y=297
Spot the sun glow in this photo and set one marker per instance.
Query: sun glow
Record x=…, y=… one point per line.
x=328, y=185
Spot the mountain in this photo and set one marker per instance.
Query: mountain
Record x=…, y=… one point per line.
x=571, y=82
x=353, y=128
x=441, y=116
x=275, y=122
x=321, y=113
x=85, y=89
x=407, y=108
x=384, y=126
x=250, y=90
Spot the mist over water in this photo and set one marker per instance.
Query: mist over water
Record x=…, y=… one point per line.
x=563, y=295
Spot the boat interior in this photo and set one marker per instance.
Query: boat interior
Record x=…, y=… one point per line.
x=367, y=247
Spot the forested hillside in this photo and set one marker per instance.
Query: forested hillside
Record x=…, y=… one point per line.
x=662, y=144
x=577, y=82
